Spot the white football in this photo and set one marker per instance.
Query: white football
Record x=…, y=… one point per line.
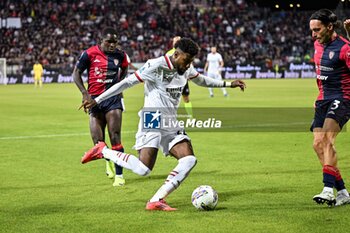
x=204, y=198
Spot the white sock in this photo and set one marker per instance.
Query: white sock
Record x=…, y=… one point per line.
x=211, y=91
x=327, y=189
x=224, y=91
x=175, y=177
x=127, y=161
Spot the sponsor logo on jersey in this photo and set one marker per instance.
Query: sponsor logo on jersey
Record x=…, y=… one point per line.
x=96, y=60
x=322, y=77
x=111, y=73
x=104, y=81
x=99, y=72
x=116, y=62
x=324, y=68
x=175, y=92
x=331, y=54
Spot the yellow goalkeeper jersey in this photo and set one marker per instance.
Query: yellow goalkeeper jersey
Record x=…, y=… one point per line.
x=38, y=70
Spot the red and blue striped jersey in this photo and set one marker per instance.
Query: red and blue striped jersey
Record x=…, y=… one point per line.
x=104, y=70
x=332, y=63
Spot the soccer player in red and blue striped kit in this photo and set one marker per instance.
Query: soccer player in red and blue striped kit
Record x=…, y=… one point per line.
x=332, y=107
x=106, y=65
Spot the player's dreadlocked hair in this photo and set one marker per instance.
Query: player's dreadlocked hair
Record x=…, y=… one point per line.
x=326, y=17
x=187, y=46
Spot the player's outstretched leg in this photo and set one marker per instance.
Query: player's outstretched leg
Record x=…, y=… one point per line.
x=159, y=205
x=128, y=161
x=172, y=182
x=94, y=153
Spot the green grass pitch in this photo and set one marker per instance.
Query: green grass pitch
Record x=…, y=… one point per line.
x=265, y=180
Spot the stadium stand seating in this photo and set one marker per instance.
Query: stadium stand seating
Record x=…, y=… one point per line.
x=56, y=32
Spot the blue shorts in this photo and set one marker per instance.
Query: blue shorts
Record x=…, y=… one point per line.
x=107, y=105
x=339, y=110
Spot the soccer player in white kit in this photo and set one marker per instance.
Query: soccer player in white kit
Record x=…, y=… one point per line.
x=164, y=79
x=213, y=68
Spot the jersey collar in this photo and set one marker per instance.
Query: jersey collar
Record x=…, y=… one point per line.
x=168, y=62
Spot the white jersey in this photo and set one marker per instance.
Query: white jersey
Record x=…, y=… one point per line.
x=162, y=89
x=214, y=60
x=163, y=85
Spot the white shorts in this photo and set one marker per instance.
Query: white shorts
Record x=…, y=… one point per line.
x=163, y=139
x=216, y=76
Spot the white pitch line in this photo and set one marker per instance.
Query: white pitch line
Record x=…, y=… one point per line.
x=53, y=135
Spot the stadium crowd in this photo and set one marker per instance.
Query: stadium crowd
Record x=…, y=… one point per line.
x=56, y=32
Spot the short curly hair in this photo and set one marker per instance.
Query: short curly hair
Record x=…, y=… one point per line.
x=109, y=30
x=187, y=46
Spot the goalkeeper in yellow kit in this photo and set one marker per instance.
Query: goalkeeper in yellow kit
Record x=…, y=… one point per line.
x=38, y=74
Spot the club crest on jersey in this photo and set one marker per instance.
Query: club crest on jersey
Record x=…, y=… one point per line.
x=98, y=72
x=116, y=62
x=167, y=77
x=331, y=54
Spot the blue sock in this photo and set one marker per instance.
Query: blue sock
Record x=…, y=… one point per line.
x=118, y=169
x=328, y=180
x=329, y=175
x=339, y=185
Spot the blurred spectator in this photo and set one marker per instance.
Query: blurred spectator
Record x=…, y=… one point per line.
x=58, y=31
